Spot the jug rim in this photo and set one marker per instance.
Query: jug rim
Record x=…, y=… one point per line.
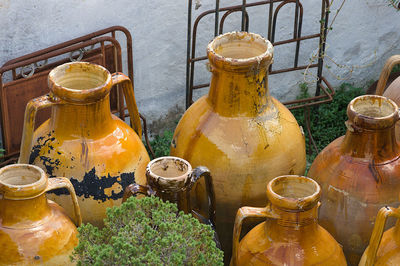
x=93, y=94
x=263, y=58
x=172, y=182
x=305, y=199
x=22, y=189
x=362, y=119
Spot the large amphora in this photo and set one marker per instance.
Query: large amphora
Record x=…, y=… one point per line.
x=33, y=229
x=83, y=141
x=359, y=173
x=238, y=131
x=291, y=234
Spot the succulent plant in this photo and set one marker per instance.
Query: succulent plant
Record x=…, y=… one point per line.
x=147, y=231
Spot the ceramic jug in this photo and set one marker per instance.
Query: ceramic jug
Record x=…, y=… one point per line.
x=34, y=230
x=83, y=141
x=384, y=248
x=291, y=234
x=172, y=178
x=393, y=90
x=238, y=131
x=359, y=173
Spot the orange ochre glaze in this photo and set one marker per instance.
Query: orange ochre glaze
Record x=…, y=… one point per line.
x=267, y=244
x=239, y=132
x=37, y=232
x=359, y=173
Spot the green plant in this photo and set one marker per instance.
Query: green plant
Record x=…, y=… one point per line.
x=161, y=143
x=147, y=231
x=327, y=120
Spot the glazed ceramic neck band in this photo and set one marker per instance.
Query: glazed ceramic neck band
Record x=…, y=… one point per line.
x=293, y=193
x=240, y=51
x=80, y=82
x=372, y=112
x=23, y=181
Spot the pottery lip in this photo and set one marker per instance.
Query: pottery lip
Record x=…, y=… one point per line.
x=304, y=198
x=168, y=183
x=386, y=110
x=263, y=58
x=98, y=74
x=13, y=183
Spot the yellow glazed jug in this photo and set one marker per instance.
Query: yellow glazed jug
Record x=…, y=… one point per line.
x=384, y=248
x=34, y=230
x=238, y=131
x=83, y=141
x=291, y=234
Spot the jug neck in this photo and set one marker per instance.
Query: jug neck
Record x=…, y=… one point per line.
x=239, y=94
x=375, y=145
x=22, y=213
x=86, y=120
x=371, y=129
x=239, y=64
x=292, y=226
x=294, y=202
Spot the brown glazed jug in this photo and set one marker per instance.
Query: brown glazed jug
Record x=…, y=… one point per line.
x=359, y=173
x=393, y=90
x=171, y=178
x=384, y=248
x=291, y=234
x=238, y=131
x=33, y=229
x=83, y=141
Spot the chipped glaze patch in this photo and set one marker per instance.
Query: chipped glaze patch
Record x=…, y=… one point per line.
x=94, y=186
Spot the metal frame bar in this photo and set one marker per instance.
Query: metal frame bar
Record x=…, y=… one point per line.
x=272, y=21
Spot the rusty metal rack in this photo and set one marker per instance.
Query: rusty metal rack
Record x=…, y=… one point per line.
x=29, y=80
x=272, y=15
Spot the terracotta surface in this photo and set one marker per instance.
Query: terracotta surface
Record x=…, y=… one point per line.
x=238, y=131
x=34, y=230
x=384, y=248
x=291, y=234
x=393, y=90
x=83, y=141
x=359, y=173
x=171, y=179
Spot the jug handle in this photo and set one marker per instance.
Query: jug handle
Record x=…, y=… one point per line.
x=31, y=109
x=387, y=69
x=62, y=182
x=198, y=173
x=134, y=189
x=120, y=78
x=377, y=233
x=243, y=213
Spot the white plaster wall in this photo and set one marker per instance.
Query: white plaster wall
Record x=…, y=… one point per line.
x=364, y=35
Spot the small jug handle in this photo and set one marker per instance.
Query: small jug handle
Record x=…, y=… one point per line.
x=134, y=189
x=120, y=78
x=377, y=233
x=31, y=110
x=62, y=182
x=243, y=213
x=198, y=173
x=387, y=69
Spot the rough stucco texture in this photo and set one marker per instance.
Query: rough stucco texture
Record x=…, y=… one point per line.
x=365, y=33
